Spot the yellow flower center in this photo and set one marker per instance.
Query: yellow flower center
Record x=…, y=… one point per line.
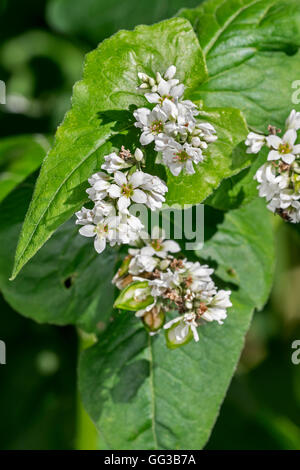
x=156, y=245
x=182, y=156
x=284, y=148
x=127, y=190
x=157, y=127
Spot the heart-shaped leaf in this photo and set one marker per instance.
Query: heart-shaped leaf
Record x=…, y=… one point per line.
x=252, y=53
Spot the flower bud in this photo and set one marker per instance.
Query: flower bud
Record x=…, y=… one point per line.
x=158, y=77
x=138, y=154
x=170, y=72
x=134, y=297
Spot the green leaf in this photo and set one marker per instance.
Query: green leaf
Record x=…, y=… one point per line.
x=238, y=190
x=19, y=157
x=142, y=395
x=252, y=54
x=99, y=19
x=109, y=83
x=225, y=157
x=66, y=282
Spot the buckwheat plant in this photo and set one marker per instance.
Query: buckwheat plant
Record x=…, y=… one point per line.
x=160, y=116
x=155, y=284
x=279, y=177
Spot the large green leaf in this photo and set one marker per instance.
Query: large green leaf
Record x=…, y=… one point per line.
x=66, y=282
x=143, y=396
x=110, y=83
x=252, y=53
x=99, y=19
x=19, y=157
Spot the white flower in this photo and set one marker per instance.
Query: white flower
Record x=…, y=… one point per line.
x=180, y=157
x=167, y=280
x=270, y=183
x=285, y=148
x=216, y=309
x=185, y=324
x=104, y=231
x=255, y=142
x=206, y=131
x=155, y=190
x=100, y=182
x=293, y=121
x=200, y=278
x=126, y=189
x=147, y=258
x=129, y=229
x=152, y=123
x=103, y=209
x=113, y=163
x=84, y=216
x=142, y=261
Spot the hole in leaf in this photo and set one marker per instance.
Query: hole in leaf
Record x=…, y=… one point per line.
x=68, y=282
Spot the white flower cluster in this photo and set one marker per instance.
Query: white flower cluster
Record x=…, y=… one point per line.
x=113, y=191
x=279, y=177
x=172, y=123
x=172, y=284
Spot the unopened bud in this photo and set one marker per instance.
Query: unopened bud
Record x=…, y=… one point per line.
x=138, y=155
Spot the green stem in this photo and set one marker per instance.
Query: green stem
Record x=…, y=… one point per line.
x=86, y=435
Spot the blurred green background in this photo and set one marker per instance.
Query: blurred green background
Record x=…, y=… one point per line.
x=42, y=47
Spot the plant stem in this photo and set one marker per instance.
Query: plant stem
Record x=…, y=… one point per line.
x=86, y=436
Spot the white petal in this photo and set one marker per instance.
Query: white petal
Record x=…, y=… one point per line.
x=290, y=137
x=114, y=191
x=170, y=72
x=146, y=138
x=171, y=246
x=123, y=203
x=296, y=149
x=273, y=155
x=288, y=158
x=137, y=178
x=99, y=244
x=141, y=115
x=120, y=178
x=87, y=230
x=178, y=91
x=163, y=87
x=152, y=97
x=139, y=196
x=274, y=141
